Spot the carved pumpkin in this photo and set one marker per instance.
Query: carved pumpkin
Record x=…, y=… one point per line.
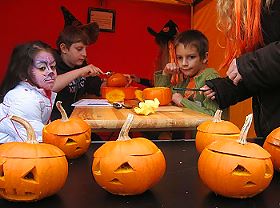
x=163, y=94
x=71, y=135
x=117, y=80
x=272, y=145
x=128, y=166
x=236, y=168
x=30, y=171
x=213, y=130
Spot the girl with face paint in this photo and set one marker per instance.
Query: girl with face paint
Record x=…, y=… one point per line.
x=26, y=90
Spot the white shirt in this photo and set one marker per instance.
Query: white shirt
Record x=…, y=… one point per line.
x=29, y=103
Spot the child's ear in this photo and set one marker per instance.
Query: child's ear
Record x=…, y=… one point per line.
x=63, y=48
x=205, y=60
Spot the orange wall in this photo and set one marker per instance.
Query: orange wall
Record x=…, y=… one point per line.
x=130, y=49
x=205, y=20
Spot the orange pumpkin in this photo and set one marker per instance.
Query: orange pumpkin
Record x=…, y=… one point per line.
x=129, y=92
x=128, y=166
x=236, y=168
x=163, y=94
x=272, y=145
x=30, y=171
x=213, y=130
x=71, y=135
x=117, y=80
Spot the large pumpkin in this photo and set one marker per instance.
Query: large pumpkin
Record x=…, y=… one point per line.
x=236, y=168
x=31, y=171
x=129, y=92
x=213, y=130
x=128, y=166
x=163, y=94
x=272, y=145
x=71, y=135
x=117, y=80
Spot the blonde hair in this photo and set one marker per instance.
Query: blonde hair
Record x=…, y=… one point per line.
x=240, y=21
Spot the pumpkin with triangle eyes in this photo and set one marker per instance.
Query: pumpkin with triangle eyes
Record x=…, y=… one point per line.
x=272, y=145
x=71, y=135
x=30, y=171
x=128, y=166
x=237, y=169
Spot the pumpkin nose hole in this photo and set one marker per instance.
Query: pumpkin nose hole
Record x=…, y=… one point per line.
x=240, y=171
x=70, y=141
x=115, y=181
x=29, y=176
x=124, y=168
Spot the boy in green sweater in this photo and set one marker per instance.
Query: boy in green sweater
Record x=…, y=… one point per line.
x=191, y=49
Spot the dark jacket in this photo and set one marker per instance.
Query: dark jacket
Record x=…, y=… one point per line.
x=75, y=90
x=260, y=71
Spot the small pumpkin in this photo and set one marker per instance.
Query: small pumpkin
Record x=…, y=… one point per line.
x=71, y=135
x=163, y=94
x=128, y=166
x=30, y=171
x=115, y=95
x=129, y=92
x=117, y=80
x=272, y=145
x=237, y=169
x=213, y=130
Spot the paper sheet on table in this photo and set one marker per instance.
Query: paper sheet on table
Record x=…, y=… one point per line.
x=92, y=102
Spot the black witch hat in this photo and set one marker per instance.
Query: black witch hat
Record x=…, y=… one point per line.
x=168, y=32
x=92, y=29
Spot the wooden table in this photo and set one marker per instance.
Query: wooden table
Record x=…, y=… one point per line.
x=110, y=119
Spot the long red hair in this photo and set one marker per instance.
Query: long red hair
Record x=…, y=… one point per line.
x=240, y=21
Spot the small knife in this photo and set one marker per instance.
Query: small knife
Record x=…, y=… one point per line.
x=190, y=89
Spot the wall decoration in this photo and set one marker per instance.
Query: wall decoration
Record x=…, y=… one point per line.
x=105, y=18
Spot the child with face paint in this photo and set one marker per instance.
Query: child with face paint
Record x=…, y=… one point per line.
x=191, y=48
x=26, y=90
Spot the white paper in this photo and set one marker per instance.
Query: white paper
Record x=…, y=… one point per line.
x=92, y=102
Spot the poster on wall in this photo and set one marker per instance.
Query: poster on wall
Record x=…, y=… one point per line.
x=105, y=18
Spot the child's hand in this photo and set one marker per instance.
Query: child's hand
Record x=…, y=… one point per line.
x=90, y=70
x=177, y=98
x=170, y=68
x=208, y=92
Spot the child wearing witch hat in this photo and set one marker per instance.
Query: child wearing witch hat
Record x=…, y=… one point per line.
x=75, y=76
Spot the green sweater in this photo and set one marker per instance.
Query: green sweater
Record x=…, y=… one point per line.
x=199, y=103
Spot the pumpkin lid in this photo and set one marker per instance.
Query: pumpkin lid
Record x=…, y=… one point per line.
x=29, y=151
x=250, y=150
x=222, y=127
x=135, y=146
x=73, y=125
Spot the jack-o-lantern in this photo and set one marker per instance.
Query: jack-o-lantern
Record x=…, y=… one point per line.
x=163, y=94
x=117, y=80
x=30, y=171
x=128, y=166
x=237, y=169
x=71, y=135
x=272, y=145
x=213, y=130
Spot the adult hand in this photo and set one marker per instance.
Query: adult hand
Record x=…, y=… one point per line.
x=177, y=98
x=233, y=73
x=171, y=68
x=209, y=93
x=90, y=70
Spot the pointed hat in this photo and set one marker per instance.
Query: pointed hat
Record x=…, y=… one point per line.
x=168, y=32
x=92, y=28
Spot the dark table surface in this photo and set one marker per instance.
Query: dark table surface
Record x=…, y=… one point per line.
x=180, y=187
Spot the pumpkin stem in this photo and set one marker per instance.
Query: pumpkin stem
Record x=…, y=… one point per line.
x=245, y=129
x=218, y=116
x=31, y=137
x=125, y=128
x=64, y=116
